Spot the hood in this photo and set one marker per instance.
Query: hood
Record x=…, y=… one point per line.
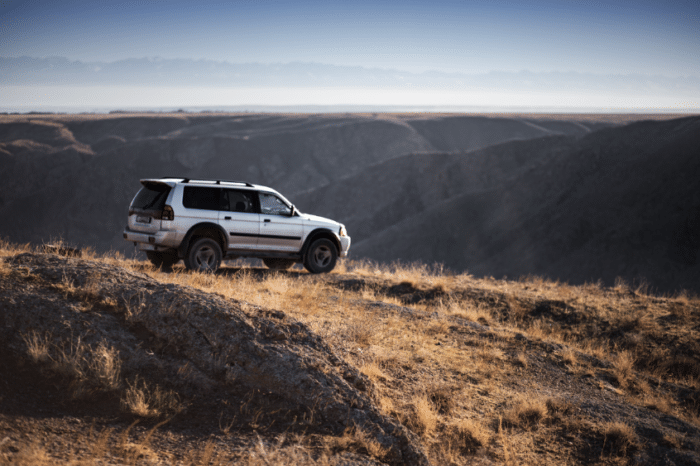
x=320, y=221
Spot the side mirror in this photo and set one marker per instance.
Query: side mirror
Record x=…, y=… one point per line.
x=294, y=211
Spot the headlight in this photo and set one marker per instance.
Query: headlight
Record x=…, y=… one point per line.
x=343, y=232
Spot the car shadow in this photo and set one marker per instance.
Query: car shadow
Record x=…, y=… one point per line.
x=229, y=271
x=258, y=272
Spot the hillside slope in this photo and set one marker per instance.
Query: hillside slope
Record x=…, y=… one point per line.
x=617, y=202
x=104, y=360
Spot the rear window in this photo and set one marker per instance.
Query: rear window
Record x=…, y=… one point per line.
x=202, y=198
x=151, y=196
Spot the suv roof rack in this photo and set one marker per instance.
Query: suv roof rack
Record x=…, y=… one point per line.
x=237, y=182
x=187, y=180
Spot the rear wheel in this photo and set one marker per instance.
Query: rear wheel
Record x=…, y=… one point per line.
x=321, y=256
x=204, y=255
x=278, y=264
x=163, y=259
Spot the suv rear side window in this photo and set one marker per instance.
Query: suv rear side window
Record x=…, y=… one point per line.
x=195, y=197
x=239, y=201
x=151, y=196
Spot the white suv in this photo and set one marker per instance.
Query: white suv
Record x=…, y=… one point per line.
x=206, y=221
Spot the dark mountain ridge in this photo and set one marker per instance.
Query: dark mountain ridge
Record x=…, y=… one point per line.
x=620, y=202
x=574, y=198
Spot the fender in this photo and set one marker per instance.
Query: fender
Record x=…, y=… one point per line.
x=213, y=230
x=320, y=233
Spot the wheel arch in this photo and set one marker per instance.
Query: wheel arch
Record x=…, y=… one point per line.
x=204, y=230
x=317, y=234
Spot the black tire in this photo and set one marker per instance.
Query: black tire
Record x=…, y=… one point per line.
x=321, y=256
x=163, y=259
x=278, y=264
x=204, y=255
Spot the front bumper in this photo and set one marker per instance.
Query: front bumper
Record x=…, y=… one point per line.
x=344, y=246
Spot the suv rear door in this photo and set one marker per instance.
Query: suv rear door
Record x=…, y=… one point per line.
x=146, y=210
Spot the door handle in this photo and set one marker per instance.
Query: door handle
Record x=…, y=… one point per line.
x=267, y=220
x=227, y=218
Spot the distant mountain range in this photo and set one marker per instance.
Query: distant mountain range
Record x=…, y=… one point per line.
x=27, y=71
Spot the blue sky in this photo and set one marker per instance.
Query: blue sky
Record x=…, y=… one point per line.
x=647, y=37
x=602, y=37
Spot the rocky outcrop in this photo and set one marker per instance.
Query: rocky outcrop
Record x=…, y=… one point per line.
x=200, y=345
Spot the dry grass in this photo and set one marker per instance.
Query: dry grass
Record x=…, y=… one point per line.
x=127, y=448
x=8, y=249
x=85, y=366
x=623, y=365
x=470, y=435
x=522, y=360
x=142, y=401
x=526, y=411
x=423, y=415
x=356, y=439
x=414, y=274
x=37, y=347
x=620, y=439
x=32, y=454
x=373, y=371
x=569, y=356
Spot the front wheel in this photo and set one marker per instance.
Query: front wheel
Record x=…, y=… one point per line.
x=204, y=256
x=278, y=264
x=321, y=256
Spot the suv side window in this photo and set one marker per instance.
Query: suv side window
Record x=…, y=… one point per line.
x=239, y=201
x=273, y=205
x=195, y=197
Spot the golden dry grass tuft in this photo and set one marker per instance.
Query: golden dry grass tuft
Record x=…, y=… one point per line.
x=37, y=347
x=423, y=415
x=623, y=365
x=372, y=370
x=8, y=249
x=442, y=396
x=153, y=402
x=469, y=435
x=32, y=454
x=357, y=439
x=87, y=367
x=620, y=439
x=526, y=411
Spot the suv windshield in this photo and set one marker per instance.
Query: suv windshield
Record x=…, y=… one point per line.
x=151, y=196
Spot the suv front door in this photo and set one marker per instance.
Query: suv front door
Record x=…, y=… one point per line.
x=279, y=230
x=240, y=218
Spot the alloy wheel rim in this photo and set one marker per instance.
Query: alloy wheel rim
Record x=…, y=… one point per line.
x=205, y=258
x=322, y=256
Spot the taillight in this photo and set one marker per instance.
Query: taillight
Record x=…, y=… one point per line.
x=168, y=213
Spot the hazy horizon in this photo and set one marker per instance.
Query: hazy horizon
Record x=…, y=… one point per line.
x=444, y=53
